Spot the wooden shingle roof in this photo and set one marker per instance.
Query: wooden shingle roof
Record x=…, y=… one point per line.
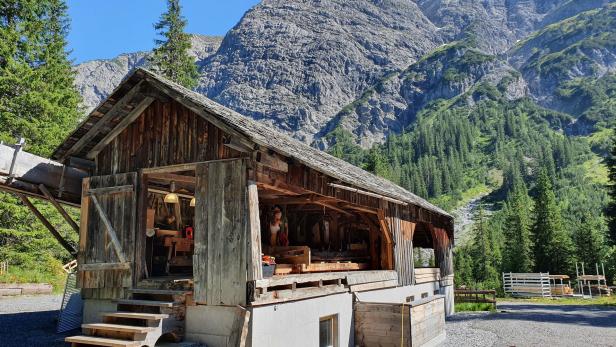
x=252, y=130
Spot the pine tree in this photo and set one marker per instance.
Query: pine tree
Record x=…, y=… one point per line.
x=171, y=57
x=518, y=251
x=610, y=212
x=553, y=246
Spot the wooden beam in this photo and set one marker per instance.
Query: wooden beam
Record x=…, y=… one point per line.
x=104, y=266
x=365, y=192
x=172, y=177
x=112, y=113
x=83, y=221
x=31, y=190
x=299, y=200
x=33, y=169
x=233, y=143
x=58, y=207
x=272, y=160
x=358, y=208
x=111, y=190
x=125, y=122
x=181, y=167
x=335, y=208
x=48, y=225
x=109, y=228
x=384, y=227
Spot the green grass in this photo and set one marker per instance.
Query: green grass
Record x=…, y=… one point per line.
x=602, y=301
x=596, y=171
x=474, y=307
x=16, y=275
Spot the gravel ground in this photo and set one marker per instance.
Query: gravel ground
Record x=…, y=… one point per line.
x=30, y=321
x=524, y=324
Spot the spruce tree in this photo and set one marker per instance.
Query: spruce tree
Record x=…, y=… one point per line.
x=589, y=241
x=170, y=57
x=553, y=246
x=38, y=99
x=483, y=252
x=610, y=212
x=518, y=251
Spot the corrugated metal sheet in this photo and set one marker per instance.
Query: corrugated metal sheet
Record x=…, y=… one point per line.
x=72, y=306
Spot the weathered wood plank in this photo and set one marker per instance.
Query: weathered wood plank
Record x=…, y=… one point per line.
x=126, y=120
x=110, y=230
x=255, y=269
x=128, y=188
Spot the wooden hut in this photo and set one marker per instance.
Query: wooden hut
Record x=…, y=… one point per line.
x=201, y=224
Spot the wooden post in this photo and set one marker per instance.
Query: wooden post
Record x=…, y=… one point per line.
x=48, y=225
x=255, y=270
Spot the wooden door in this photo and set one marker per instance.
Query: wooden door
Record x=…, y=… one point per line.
x=221, y=233
x=107, y=234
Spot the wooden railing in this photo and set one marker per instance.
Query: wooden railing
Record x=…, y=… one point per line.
x=475, y=296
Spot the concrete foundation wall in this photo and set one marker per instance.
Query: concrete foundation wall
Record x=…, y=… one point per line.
x=93, y=310
x=448, y=292
x=297, y=323
x=211, y=325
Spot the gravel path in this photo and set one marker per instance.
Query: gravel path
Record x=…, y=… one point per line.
x=524, y=324
x=30, y=321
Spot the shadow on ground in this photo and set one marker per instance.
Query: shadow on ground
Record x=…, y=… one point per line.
x=595, y=316
x=36, y=329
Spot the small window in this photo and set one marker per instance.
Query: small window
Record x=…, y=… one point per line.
x=328, y=331
x=424, y=295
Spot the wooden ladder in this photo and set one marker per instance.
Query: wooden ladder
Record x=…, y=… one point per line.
x=140, y=321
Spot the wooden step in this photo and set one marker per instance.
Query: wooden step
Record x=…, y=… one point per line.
x=102, y=341
x=137, y=315
x=146, y=303
x=159, y=291
x=118, y=327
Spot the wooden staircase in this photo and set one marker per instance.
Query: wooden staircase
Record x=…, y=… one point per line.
x=139, y=321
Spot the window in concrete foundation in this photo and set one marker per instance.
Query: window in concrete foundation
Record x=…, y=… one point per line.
x=328, y=331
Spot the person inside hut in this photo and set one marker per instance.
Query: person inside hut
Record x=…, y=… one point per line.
x=279, y=229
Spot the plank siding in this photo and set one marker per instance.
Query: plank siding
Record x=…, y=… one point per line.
x=164, y=134
x=95, y=248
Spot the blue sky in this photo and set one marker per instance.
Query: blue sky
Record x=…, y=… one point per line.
x=106, y=28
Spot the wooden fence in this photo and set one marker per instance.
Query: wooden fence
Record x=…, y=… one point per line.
x=527, y=284
x=475, y=296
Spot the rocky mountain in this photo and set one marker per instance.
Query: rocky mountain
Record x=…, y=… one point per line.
x=96, y=79
x=297, y=65
x=447, y=72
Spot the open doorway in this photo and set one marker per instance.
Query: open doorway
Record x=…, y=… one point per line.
x=170, y=217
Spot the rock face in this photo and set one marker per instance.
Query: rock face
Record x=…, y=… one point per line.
x=447, y=73
x=96, y=79
x=294, y=63
x=369, y=66
x=580, y=47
